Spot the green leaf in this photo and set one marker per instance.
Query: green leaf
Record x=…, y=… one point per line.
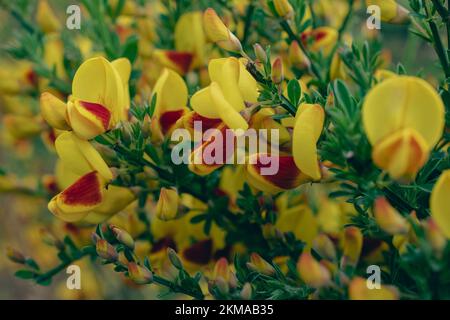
x=25, y=274
x=130, y=50
x=294, y=92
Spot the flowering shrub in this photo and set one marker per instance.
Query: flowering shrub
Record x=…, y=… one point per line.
x=227, y=149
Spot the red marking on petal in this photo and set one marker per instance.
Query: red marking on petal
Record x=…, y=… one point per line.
x=163, y=244
x=182, y=59
x=200, y=252
x=85, y=191
x=32, y=78
x=99, y=111
x=207, y=123
x=168, y=119
x=288, y=173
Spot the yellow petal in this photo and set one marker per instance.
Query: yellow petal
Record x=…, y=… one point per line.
x=232, y=118
x=307, y=131
x=77, y=200
x=225, y=73
x=97, y=81
x=247, y=84
x=53, y=111
x=202, y=103
x=123, y=67
x=403, y=102
x=115, y=199
x=190, y=37
x=88, y=120
x=358, y=290
x=80, y=156
x=219, y=33
x=440, y=203
x=171, y=92
x=402, y=154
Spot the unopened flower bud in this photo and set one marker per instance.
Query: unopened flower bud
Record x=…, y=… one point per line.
x=435, y=236
x=353, y=242
x=94, y=238
x=283, y=8
x=312, y=272
x=105, y=250
x=323, y=245
x=260, y=53
x=222, y=285
x=277, y=71
x=174, y=258
x=388, y=218
x=297, y=57
x=15, y=255
x=219, y=33
x=258, y=264
x=122, y=236
x=167, y=207
x=139, y=274
x=50, y=239
x=247, y=291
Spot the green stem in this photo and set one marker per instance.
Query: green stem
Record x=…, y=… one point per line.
x=293, y=37
x=438, y=46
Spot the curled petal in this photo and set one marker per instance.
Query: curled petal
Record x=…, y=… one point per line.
x=440, y=203
x=232, y=118
x=88, y=119
x=402, y=154
x=263, y=173
x=80, y=156
x=75, y=202
x=307, y=130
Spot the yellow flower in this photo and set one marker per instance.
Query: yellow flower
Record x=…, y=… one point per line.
x=21, y=127
x=217, y=32
x=231, y=86
x=440, y=203
x=171, y=100
x=358, y=290
x=403, y=118
x=99, y=100
x=287, y=177
x=322, y=39
x=307, y=130
x=190, y=37
x=391, y=11
x=46, y=19
x=388, y=218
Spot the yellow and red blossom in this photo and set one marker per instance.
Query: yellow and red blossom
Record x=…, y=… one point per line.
x=287, y=177
x=312, y=272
